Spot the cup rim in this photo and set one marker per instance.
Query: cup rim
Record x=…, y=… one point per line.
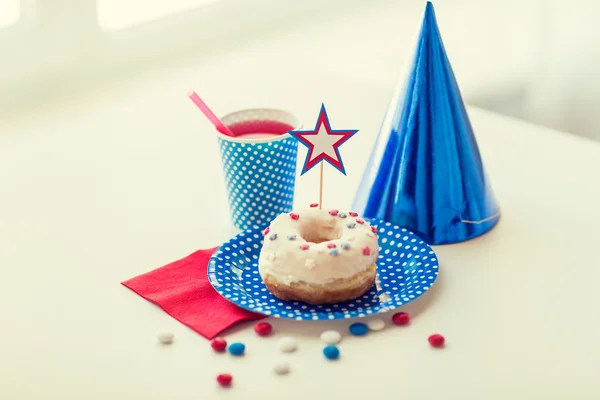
x=297, y=125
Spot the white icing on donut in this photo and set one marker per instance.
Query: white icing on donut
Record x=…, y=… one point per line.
x=316, y=247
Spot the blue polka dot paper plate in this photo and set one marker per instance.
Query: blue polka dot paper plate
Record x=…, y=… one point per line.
x=407, y=268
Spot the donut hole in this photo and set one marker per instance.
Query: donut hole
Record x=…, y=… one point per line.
x=318, y=232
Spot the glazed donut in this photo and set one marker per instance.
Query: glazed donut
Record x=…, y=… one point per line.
x=319, y=256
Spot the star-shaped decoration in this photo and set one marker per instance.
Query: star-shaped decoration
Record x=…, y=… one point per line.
x=323, y=143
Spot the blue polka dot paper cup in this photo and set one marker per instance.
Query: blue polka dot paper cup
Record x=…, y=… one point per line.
x=259, y=165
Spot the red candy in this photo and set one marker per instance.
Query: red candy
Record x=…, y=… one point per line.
x=313, y=205
x=331, y=245
x=303, y=247
x=263, y=328
x=359, y=221
x=401, y=318
x=436, y=340
x=218, y=344
x=353, y=214
x=374, y=229
x=266, y=231
x=367, y=251
x=224, y=379
x=333, y=213
x=294, y=216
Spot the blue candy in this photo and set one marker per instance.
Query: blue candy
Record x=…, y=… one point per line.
x=333, y=252
x=342, y=215
x=331, y=352
x=237, y=349
x=345, y=246
x=273, y=236
x=291, y=237
x=358, y=329
x=351, y=225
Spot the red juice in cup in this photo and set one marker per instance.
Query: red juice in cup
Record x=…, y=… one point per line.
x=259, y=165
x=259, y=129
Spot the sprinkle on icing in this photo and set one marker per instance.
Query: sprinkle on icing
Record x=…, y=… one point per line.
x=359, y=221
x=331, y=245
x=304, y=246
x=266, y=231
x=345, y=246
x=353, y=214
x=334, y=252
x=333, y=213
x=310, y=264
x=291, y=237
x=273, y=236
x=351, y=225
x=366, y=251
x=374, y=229
x=294, y=216
x=342, y=215
x=436, y=340
x=313, y=205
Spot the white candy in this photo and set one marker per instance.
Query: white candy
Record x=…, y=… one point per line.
x=287, y=344
x=165, y=338
x=331, y=337
x=376, y=324
x=282, y=368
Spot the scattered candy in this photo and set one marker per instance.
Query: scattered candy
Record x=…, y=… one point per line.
x=313, y=205
x=374, y=229
x=351, y=225
x=401, y=318
x=224, y=379
x=345, y=246
x=331, y=337
x=333, y=213
x=366, y=251
x=358, y=329
x=342, y=215
x=273, y=236
x=291, y=237
x=263, y=328
x=304, y=247
x=237, y=349
x=287, y=344
x=360, y=221
x=436, y=340
x=165, y=338
x=294, y=216
x=353, y=214
x=331, y=245
x=331, y=352
x=266, y=231
x=218, y=344
x=281, y=368
x=376, y=324
x=334, y=252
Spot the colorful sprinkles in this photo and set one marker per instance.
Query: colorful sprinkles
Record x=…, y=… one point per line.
x=291, y=237
x=366, y=251
x=359, y=221
x=351, y=225
x=353, y=214
x=313, y=205
x=334, y=252
x=266, y=231
x=304, y=246
x=331, y=245
x=333, y=213
x=342, y=215
x=374, y=229
x=273, y=236
x=294, y=216
x=345, y=246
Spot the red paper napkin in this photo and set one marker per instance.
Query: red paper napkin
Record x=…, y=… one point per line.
x=182, y=289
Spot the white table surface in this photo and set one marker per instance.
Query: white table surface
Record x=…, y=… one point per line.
x=98, y=189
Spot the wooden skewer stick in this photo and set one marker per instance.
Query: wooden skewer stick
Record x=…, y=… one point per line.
x=321, y=187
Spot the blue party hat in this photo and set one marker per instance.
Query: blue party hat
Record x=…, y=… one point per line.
x=425, y=172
